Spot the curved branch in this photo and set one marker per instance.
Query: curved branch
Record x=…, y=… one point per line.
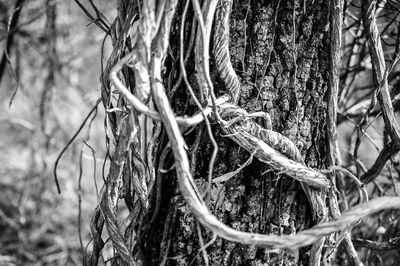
x=387, y=152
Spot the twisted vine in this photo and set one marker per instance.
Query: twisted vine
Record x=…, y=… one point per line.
x=270, y=147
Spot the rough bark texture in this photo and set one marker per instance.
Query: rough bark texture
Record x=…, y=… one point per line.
x=288, y=79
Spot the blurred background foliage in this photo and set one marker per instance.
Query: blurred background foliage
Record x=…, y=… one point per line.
x=54, y=65
x=56, y=90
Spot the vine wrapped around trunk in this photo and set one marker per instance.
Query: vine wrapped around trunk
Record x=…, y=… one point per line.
x=143, y=72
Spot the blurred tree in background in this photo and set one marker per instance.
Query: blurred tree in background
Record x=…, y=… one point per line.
x=278, y=117
x=54, y=61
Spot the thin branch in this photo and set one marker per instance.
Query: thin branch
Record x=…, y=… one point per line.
x=387, y=152
x=12, y=22
x=98, y=21
x=70, y=142
x=393, y=243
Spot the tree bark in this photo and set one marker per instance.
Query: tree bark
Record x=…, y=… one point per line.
x=281, y=54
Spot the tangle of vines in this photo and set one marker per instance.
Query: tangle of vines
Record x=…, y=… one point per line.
x=144, y=57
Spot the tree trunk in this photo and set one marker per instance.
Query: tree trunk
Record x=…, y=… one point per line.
x=264, y=53
x=280, y=51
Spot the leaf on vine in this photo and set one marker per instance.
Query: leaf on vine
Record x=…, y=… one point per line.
x=227, y=176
